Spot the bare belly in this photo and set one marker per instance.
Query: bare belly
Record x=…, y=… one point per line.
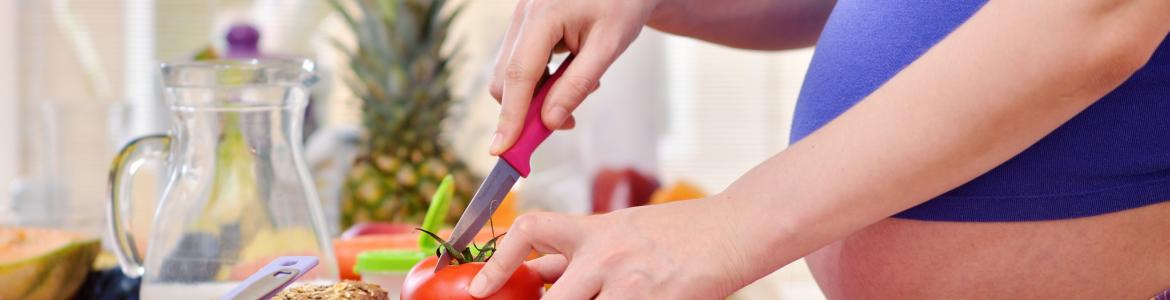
x=1121, y=255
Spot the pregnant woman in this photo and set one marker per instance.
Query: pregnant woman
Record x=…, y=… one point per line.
x=941, y=149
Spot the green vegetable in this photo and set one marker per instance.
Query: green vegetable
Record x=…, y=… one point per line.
x=437, y=212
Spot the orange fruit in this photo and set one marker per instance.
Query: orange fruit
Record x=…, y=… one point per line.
x=681, y=190
x=506, y=213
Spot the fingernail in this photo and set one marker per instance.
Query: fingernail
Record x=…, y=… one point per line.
x=497, y=142
x=477, y=286
x=559, y=115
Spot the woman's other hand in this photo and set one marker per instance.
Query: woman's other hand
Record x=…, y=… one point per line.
x=597, y=31
x=637, y=253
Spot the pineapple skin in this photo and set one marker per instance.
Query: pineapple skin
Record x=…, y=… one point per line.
x=397, y=190
x=401, y=72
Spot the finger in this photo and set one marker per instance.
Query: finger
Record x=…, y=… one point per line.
x=581, y=79
x=569, y=124
x=549, y=267
x=525, y=66
x=580, y=281
x=572, y=121
x=561, y=48
x=496, y=88
x=544, y=232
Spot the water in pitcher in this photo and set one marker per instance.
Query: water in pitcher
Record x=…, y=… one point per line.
x=238, y=193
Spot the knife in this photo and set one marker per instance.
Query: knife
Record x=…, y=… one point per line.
x=273, y=278
x=512, y=165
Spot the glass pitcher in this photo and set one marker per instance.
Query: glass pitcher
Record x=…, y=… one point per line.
x=237, y=192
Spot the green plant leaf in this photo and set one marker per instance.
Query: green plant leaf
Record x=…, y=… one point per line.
x=339, y=8
x=488, y=249
x=437, y=212
x=446, y=247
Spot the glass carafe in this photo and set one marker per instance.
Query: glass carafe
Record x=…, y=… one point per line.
x=237, y=190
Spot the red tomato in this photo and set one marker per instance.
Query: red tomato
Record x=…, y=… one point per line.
x=422, y=283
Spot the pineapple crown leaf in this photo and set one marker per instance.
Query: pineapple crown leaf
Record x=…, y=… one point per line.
x=401, y=65
x=340, y=9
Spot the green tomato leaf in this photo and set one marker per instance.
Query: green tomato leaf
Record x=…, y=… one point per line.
x=445, y=246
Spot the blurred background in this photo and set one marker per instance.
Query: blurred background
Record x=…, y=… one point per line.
x=78, y=79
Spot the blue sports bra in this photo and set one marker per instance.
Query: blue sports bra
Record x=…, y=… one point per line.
x=1113, y=156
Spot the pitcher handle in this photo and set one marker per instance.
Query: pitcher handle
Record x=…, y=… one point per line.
x=125, y=165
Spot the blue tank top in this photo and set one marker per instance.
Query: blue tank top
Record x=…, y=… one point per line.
x=1115, y=155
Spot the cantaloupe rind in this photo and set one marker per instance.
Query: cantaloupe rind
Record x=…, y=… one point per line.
x=44, y=264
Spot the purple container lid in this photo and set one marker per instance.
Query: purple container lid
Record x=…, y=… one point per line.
x=243, y=42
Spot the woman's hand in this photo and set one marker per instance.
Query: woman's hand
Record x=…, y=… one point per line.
x=682, y=250
x=596, y=30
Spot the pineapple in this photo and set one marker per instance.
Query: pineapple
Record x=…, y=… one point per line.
x=401, y=72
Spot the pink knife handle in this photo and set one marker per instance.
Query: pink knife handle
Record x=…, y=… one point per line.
x=534, y=131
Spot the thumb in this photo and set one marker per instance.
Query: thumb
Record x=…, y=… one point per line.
x=544, y=232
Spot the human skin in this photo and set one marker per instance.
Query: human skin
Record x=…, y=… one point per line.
x=1015, y=71
x=1119, y=255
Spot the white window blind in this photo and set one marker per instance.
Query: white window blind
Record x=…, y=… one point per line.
x=728, y=109
x=9, y=122
x=70, y=61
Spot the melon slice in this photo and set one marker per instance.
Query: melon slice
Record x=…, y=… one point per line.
x=44, y=263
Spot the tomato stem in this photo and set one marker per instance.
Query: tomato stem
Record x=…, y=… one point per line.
x=461, y=257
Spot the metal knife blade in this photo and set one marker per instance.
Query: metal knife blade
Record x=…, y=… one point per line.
x=495, y=186
x=513, y=164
